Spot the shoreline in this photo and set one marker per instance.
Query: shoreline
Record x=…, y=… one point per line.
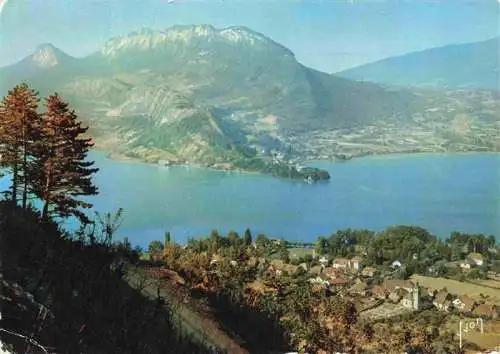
x=402, y=154
x=120, y=157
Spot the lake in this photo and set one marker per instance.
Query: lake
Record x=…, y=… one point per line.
x=441, y=192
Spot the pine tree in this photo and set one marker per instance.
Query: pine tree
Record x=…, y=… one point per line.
x=63, y=172
x=247, y=238
x=19, y=129
x=168, y=239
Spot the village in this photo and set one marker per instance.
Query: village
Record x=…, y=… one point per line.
x=272, y=268
x=375, y=293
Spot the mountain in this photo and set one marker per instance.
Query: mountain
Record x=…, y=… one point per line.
x=230, y=98
x=464, y=65
x=235, y=69
x=46, y=58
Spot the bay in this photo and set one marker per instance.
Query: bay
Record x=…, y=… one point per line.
x=441, y=192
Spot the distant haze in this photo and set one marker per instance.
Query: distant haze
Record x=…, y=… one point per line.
x=327, y=35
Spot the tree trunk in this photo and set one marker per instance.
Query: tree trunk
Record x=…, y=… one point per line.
x=45, y=210
x=14, y=183
x=25, y=177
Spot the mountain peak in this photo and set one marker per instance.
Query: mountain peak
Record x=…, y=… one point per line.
x=200, y=30
x=149, y=39
x=47, y=56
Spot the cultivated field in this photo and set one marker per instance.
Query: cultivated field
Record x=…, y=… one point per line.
x=461, y=288
x=488, y=283
x=299, y=252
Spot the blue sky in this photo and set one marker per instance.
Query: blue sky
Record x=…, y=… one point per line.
x=328, y=35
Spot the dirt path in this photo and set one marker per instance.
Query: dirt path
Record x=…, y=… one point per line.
x=191, y=321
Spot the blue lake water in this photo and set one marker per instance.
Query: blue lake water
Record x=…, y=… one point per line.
x=441, y=192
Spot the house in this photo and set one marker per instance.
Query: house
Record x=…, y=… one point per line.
x=338, y=283
x=369, y=272
x=464, y=303
x=407, y=300
x=394, y=284
x=341, y=263
x=477, y=258
x=465, y=265
x=487, y=311
x=493, y=275
x=356, y=263
x=379, y=292
x=431, y=291
x=319, y=280
x=396, y=264
x=442, y=300
x=323, y=261
x=358, y=289
x=353, y=264
x=397, y=295
x=331, y=273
